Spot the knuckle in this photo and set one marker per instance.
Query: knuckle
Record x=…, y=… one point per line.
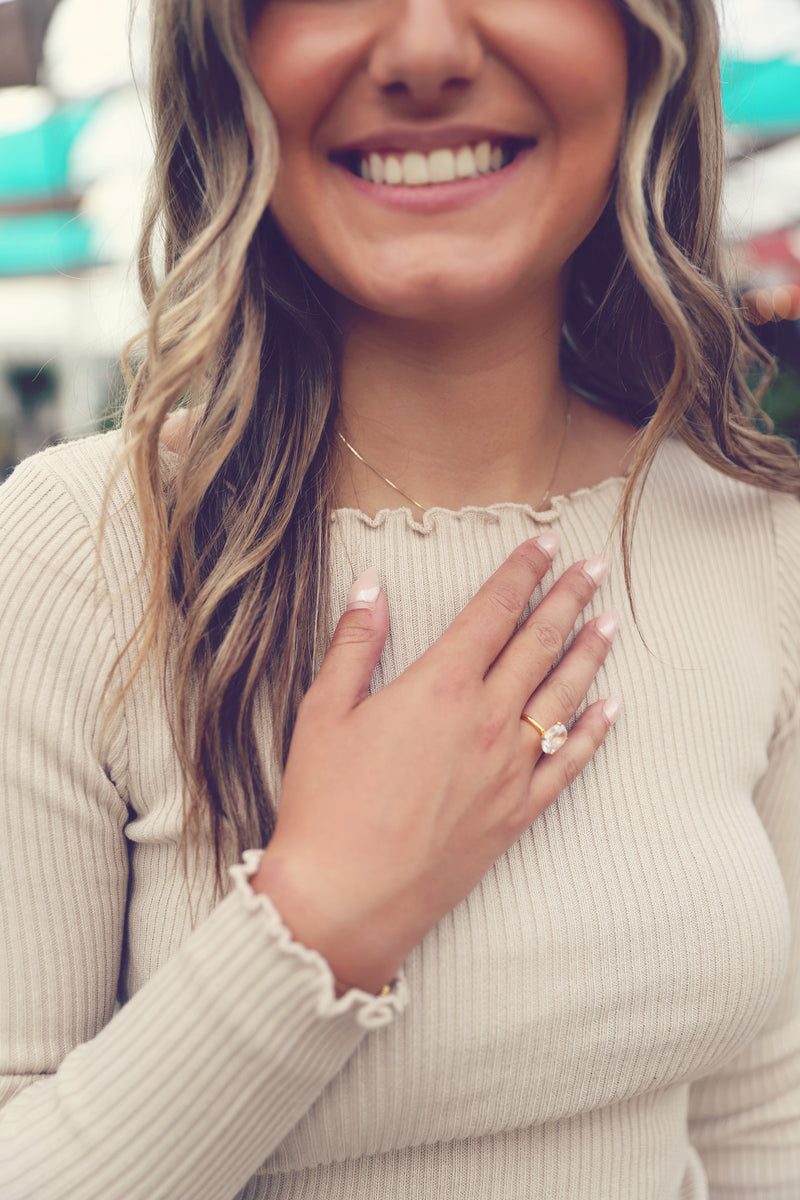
x=548, y=636
x=355, y=629
x=534, y=558
x=507, y=599
x=566, y=695
x=589, y=653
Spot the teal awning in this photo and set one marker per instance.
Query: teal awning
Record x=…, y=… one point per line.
x=43, y=243
x=35, y=170
x=34, y=163
x=762, y=96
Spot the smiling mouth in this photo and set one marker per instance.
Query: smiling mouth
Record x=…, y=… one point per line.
x=445, y=165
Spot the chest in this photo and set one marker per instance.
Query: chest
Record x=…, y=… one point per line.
x=634, y=937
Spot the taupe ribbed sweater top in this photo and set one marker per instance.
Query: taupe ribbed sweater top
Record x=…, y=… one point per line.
x=613, y=1014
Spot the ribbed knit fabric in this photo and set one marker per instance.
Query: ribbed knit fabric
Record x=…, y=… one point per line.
x=613, y=1014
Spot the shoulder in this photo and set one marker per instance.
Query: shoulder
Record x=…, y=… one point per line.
x=51, y=511
x=687, y=499
x=738, y=543
x=692, y=495
x=680, y=480
x=80, y=470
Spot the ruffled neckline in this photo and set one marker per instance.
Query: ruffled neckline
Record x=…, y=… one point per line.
x=491, y=513
x=437, y=516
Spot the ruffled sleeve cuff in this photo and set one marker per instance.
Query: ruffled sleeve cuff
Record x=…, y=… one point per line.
x=369, y=1011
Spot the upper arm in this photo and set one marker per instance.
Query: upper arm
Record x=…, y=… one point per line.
x=198, y=1077
x=745, y=1119
x=63, y=859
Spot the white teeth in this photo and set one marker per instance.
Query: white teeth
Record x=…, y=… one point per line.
x=393, y=171
x=415, y=169
x=442, y=166
x=465, y=163
x=483, y=157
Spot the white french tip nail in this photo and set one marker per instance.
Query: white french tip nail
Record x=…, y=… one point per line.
x=607, y=624
x=365, y=590
x=549, y=541
x=611, y=708
x=597, y=568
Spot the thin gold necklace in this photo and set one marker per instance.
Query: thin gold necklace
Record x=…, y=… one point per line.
x=424, y=507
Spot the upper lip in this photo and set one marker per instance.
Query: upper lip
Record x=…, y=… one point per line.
x=402, y=139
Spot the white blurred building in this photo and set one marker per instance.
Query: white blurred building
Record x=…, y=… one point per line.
x=68, y=295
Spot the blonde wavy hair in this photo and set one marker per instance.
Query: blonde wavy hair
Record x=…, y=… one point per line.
x=237, y=545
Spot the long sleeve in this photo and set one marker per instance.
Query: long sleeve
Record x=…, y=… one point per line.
x=745, y=1119
x=187, y=1088
x=634, y=956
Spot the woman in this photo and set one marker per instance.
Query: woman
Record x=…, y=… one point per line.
x=386, y=375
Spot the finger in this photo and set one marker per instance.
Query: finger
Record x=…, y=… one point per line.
x=555, y=772
x=529, y=655
x=563, y=691
x=343, y=679
x=481, y=630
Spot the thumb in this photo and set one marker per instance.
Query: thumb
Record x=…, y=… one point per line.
x=357, y=642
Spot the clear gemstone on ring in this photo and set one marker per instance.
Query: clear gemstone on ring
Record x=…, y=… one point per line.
x=553, y=738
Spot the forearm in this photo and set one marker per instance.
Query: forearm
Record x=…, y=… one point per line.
x=198, y=1078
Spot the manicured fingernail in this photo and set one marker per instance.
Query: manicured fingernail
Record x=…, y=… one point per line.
x=611, y=709
x=607, y=624
x=365, y=591
x=549, y=541
x=597, y=568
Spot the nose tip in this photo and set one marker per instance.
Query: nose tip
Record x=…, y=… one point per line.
x=426, y=90
x=427, y=51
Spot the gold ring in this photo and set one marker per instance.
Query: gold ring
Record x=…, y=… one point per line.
x=553, y=738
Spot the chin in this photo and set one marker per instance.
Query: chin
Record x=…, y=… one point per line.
x=438, y=297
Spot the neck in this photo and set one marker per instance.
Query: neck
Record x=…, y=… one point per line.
x=454, y=416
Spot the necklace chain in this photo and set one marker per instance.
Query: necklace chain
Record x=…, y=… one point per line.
x=424, y=507
x=352, y=449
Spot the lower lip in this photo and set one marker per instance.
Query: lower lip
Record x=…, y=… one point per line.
x=438, y=197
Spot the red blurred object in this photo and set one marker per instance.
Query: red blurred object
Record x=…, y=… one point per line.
x=772, y=260
x=781, y=247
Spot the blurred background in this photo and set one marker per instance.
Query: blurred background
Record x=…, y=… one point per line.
x=74, y=154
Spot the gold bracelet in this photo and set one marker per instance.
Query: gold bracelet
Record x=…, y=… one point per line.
x=342, y=987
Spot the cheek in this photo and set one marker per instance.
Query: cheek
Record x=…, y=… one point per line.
x=300, y=60
x=574, y=55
